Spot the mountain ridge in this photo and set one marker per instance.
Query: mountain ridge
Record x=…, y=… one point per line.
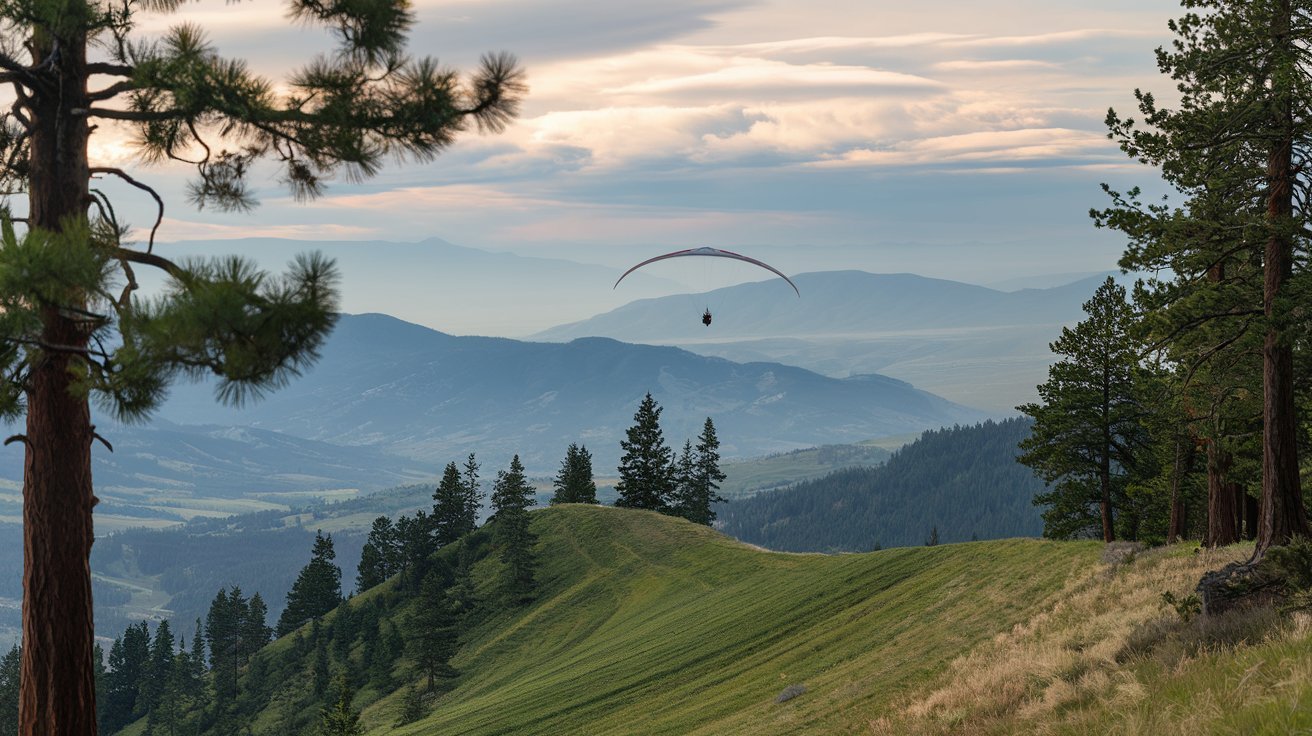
x=429, y=396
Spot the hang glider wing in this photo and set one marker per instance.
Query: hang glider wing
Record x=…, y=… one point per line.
x=714, y=252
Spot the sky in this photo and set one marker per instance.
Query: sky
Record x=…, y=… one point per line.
x=956, y=138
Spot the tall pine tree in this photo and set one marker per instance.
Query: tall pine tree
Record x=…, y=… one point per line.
x=1233, y=147
x=1087, y=427
x=646, y=473
x=511, y=497
x=449, y=507
x=339, y=718
x=9, y=673
x=699, y=477
x=433, y=630
x=317, y=589
x=473, y=496
x=574, y=483
x=379, y=557
x=71, y=328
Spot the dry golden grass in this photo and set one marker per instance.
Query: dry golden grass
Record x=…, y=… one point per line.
x=1111, y=657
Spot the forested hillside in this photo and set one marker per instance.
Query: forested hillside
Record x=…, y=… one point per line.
x=955, y=484
x=636, y=617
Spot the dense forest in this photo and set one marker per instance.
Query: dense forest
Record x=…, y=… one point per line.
x=957, y=484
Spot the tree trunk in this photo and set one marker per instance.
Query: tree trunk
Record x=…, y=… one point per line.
x=1282, y=514
x=1252, y=515
x=1221, y=528
x=1175, y=527
x=58, y=673
x=1105, y=464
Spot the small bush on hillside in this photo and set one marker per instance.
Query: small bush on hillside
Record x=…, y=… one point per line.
x=1291, y=563
x=1186, y=608
x=1120, y=553
x=1170, y=639
x=789, y=693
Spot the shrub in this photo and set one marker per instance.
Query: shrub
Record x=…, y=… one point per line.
x=789, y=693
x=1291, y=563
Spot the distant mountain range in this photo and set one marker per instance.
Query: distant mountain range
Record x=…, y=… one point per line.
x=978, y=346
x=410, y=391
x=449, y=287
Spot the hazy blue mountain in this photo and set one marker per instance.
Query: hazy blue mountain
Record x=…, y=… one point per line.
x=851, y=303
x=450, y=287
x=408, y=390
x=971, y=344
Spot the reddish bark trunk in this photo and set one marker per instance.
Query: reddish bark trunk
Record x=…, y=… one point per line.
x=58, y=674
x=1176, y=527
x=1221, y=507
x=1282, y=515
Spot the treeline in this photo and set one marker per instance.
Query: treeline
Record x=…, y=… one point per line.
x=1180, y=410
x=652, y=477
x=408, y=630
x=414, y=603
x=950, y=485
x=193, y=561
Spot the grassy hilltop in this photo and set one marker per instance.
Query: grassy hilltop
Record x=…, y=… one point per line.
x=646, y=624
x=649, y=624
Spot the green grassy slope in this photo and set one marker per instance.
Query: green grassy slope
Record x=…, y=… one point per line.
x=648, y=624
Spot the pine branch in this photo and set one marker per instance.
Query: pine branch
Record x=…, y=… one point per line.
x=135, y=116
x=15, y=72
x=150, y=246
x=149, y=259
x=112, y=91
x=116, y=70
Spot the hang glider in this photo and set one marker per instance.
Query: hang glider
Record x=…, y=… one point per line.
x=715, y=252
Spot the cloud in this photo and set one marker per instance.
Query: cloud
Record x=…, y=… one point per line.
x=1053, y=38
x=993, y=66
x=184, y=229
x=1050, y=144
x=754, y=77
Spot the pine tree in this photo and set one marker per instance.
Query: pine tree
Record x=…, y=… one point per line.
x=684, y=481
x=223, y=628
x=698, y=477
x=378, y=559
x=449, y=507
x=462, y=595
x=319, y=668
x=1237, y=244
x=128, y=657
x=1087, y=430
x=317, y=589
x=339, y=718
x=415, y=536
x=574, y=483
x=473, y=496
x=511, y=498
x=645, y=470
x=195, y=680
x=9, y=686
x=255, y=631
x=157, y=672
x=412, y=705
x=433, y=630
x=76, y=332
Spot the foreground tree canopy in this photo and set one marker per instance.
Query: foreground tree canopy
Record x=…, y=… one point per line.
x=1220, y=380
x=73, y=327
